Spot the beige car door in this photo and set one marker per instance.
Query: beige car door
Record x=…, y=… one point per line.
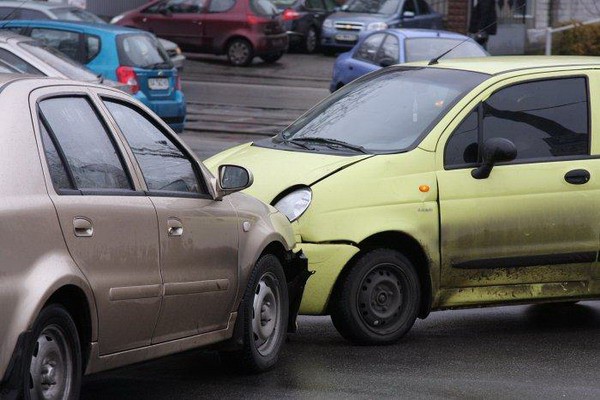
x=108, y=225
x=198, y=236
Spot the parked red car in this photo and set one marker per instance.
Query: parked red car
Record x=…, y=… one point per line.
x=241, y=29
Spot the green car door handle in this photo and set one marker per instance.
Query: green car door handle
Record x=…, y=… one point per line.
x=577, y=176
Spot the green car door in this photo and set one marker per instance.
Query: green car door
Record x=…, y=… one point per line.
x=529, y=229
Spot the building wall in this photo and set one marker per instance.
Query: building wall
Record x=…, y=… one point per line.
x=457, y=19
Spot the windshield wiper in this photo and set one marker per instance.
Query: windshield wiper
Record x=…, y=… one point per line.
x=295, y=141
x=336, y=142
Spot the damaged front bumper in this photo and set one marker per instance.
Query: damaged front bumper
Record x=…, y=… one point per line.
x=297, y=274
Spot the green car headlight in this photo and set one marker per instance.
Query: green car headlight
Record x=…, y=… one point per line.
x=295, y=203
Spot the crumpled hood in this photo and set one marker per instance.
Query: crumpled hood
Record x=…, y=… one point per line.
x=276, y=170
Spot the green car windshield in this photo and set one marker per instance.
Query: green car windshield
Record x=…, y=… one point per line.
x=384, y=113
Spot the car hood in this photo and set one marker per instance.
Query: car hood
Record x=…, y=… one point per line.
x=359, y=17
x=292, y=168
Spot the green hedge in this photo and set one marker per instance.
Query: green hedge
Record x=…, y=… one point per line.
x=584, y=40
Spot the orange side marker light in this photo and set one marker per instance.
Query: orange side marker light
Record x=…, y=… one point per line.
x=424, y=188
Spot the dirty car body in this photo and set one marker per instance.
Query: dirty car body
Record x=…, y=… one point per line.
x=468, y=183
x=138, y=250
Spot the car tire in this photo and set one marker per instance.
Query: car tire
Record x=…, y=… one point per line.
x=239, y=52
x=311, y=41
x=52, y=367
x=265, y=312
x=376, y=301
x=272, y=58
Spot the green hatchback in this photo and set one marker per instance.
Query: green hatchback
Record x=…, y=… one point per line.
x=426, y=187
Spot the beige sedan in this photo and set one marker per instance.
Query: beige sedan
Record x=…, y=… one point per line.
x=118, y=245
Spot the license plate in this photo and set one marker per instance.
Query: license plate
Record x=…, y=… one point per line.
x=158, y=83
x=346, y=38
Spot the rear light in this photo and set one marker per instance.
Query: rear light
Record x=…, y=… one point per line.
x=254, y=20
x=127, y=76
x=178, y=82
x=290, y=14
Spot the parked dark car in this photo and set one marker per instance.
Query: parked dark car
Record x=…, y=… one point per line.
x=303, y=20
x=357, y=18
x=241, y=29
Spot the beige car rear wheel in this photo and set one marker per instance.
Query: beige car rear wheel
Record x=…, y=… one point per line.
x=53, y=370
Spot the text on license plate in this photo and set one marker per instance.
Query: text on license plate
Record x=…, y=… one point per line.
x=346, y=38
x=158, y=83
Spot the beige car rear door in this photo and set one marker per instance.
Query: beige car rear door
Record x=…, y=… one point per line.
x=198, y=236
x=109, y=225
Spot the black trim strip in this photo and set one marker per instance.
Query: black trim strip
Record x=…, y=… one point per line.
x=529, y=261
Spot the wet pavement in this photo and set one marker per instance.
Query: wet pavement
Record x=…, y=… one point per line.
x=518, y=352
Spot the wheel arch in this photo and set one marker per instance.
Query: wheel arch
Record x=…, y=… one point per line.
x=233, y=37
x=76, y=302
x=409, y=247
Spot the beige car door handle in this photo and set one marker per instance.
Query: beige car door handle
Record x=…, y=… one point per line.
x=82, y=227
x=174, y=227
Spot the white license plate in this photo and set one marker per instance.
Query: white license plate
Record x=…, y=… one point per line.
x=158, y=83
x=346, y=38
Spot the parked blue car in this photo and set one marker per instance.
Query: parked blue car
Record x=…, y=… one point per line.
x=397, y=46
x=126, y=55
x=358, y=18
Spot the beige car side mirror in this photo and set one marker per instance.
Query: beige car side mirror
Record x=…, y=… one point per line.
x=232, y=178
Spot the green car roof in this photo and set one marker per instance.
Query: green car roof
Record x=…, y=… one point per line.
x=503, y=64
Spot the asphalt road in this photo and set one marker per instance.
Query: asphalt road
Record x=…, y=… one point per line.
x=519, y=352
x=229, y=105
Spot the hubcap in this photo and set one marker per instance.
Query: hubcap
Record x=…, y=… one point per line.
x=51, y=370
x=238, y=52
x=381, y=298
x=311, y=40
x=266, y=314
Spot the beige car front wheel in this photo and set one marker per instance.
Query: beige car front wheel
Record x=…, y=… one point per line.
x=265, y=312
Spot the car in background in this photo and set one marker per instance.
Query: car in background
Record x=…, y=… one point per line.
x=129, y=56
x=303, y=20
x=357, y=18
x=396, y=46
x=27, y=56
x=10, y=10
x=138, y=252
x=240, y=29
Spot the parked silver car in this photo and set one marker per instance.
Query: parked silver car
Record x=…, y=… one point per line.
x=10, y=10
x=119, y=246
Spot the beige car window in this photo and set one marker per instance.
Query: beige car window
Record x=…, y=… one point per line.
x=89, y=151
x=58, y=172
x=164, y=166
